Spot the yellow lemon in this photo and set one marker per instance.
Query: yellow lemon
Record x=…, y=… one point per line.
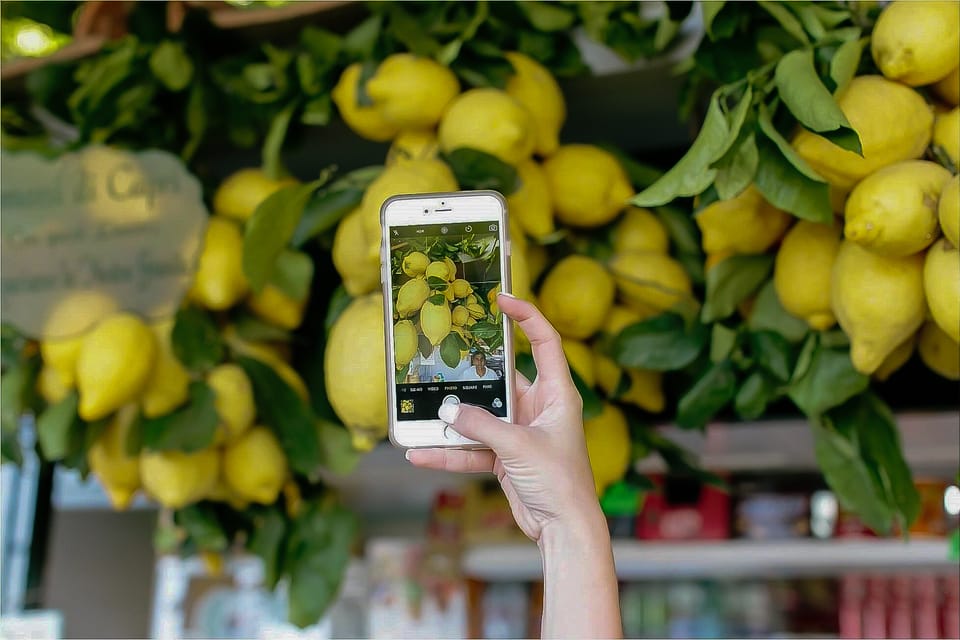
x=878, y=301
x=949, y=87
x=588, y=185
x=241, y=193
x=745, y=224
x=461, y=288
x=451, y=268
x=899, y=131
x=941, y=281
x=530, y=204
x=366, y=121
x=270, y=356
x=640, y=230
x=436, y=320
x=405, y=342
x=917, y=42
x=520, y=276
x=897, y=358
x=415, y=263
x=413, y=144
x=580, y=360
x=608, y=446
x=119, y=472
x=115, y=363
x=355, y=369
x=76, y=313
x=232, y=399
x=177, y=478
x=221, y=492
x=651, y=281
x=948, y=211
x=537, y=90
x=939, y=352
x=219, y=282
x=168, y=385
x=946, y=134
x=488, y=120
x=359, y=269
x=894, y=210
x=576, y=296
x=412, y=92
x=537, y=259
x=803, y=270
x=50, y=386
x=254, y=466
x=621, y=317
x=411, y=296
x=276, y=307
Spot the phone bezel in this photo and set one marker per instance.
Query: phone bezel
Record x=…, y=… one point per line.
x=463, y=206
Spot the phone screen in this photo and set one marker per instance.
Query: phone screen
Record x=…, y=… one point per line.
x=448, y=335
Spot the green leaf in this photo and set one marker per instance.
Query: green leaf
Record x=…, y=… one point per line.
x=846, y=60
x=317, y=111
x=293, y=274
x=329, y=205
x=424, y=346
x=196, y=340
x=710, y=10
x=847, y=139
x=735, y=171
x=765, y=120
x=810, y=19
x=722, y=342
x=321, y=44
x=692, y=174
x=270, y=229
x=735, y=120
x=754, y=395
x=189, y=428
x=202, y=526
x=786, y=19
x=731, y=282
x=450, y=351
x=707, y=396
x=53, y=427
x=287, y=415
x=336, y=448
x=195, y=119
x=592, y=402
x=475, y=169
x=16, y=389
x=410, y=32
x=171, y=65
x=681, y=228
x=82, y=437
x=266, y=542
x=805, y=95
x=273, y=142
x=830, y=381
x=360, y=41
x=786, y=188
x=253, y=329
x=773, y=353
x=436, y=282
x=805, y=358
x=661, y=343
x=437, y=299
x=545, y=16
x=339, y=301
x=768, y=314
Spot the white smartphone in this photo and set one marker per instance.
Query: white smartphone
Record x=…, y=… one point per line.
x=443, y=258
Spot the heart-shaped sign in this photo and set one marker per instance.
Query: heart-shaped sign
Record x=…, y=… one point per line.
x=93, y=232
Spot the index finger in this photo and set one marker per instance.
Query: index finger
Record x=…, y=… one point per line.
x=544, y=339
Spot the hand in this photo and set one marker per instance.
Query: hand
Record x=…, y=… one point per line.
x=541, y=461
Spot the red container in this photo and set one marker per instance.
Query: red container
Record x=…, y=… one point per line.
x=684, y=509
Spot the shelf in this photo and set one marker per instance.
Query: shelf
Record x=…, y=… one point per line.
x=730, y=559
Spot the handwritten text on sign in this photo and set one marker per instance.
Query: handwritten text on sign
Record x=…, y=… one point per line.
x=118, y=228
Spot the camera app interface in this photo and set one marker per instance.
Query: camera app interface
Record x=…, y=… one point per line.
x=447, y=329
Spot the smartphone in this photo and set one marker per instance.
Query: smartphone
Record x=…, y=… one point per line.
x=444, y=258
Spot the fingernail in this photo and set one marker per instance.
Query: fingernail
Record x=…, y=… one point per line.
x=506, y=295
x=448, y=412
x=406, y=454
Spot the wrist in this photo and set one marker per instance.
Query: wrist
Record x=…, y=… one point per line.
x=585, y=528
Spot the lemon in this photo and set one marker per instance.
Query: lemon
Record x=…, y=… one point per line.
x=488, y=120
x=645, y=388
x=74, y=314
x=838, y=199
x=802, y=272
x=640, y=230
x=355, y=370
x=650, y=281
x=254, y=466
x=946, y=134
x=530, y=204
x=576, y=296
x=412, y=92
x=606, y=371
x=745, y=224
x=917, y=42
x=115, y=363
x=537, y=258
x=520, y=276
x=177, y=478
x=588, y=185
x=50, y=386
x=897, y=358
x=415, y=263
x=276, y=307
x=621, y=317
x=221, y=492
x=451, y=268
x=405, y=342
x=537, y=90
x=608, y=446
x=939, y=352
x=269, y=356
x=899, y=131
x=461, y=288
x=367, y=122
x=359, y=269
x=878, y=301
x=948, y=211
x=168, y=385
x=436, y=320
x=894, y=210
x=219, y=282
x=232, y=399
x=119, y=472
x=949, y=87
x=242, y=192
x=413, y=144
x=580, y=360
x=412, y=295
x=941, y=281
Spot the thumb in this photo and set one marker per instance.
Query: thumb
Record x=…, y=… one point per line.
x=478, y=424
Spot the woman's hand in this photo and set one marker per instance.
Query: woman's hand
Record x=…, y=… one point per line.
x=541, y=461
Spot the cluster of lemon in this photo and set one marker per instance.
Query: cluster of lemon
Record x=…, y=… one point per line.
x=123, y=367
x=882, y=271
